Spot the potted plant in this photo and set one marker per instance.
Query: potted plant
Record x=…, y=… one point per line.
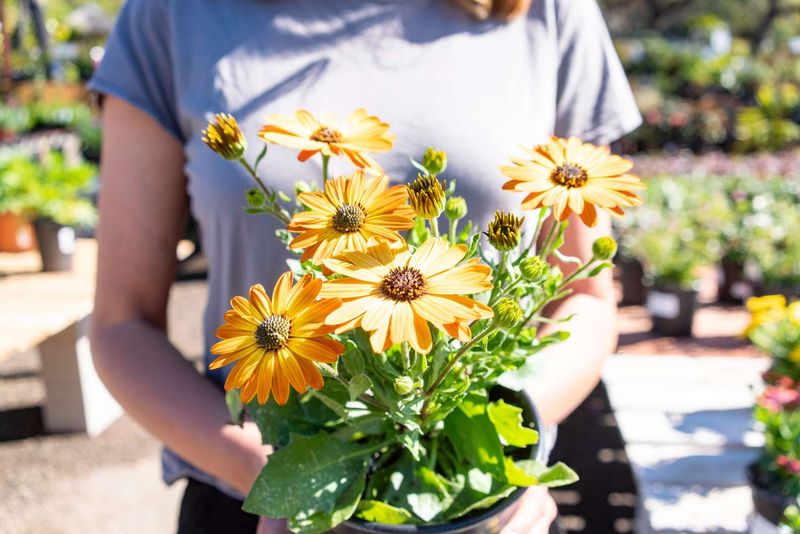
x=53, y=192
x=775, y=477
x=385, y=367
x=16, y=233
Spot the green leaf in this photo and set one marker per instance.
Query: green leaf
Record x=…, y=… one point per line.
x=358, y=385
x=307, y=477
x=599, y=268
x=233, y=401
x=479, y=481
x=507, y=420
x=352, y=359
x=276, y=423
x=552, y=477
x=474, y=437
x=342, y=511
x=380, y=512
x=517, y=476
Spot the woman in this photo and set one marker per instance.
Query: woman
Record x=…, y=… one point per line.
x=474, y=88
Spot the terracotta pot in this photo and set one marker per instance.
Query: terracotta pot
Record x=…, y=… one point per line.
x=487, y=521
x=16, y=234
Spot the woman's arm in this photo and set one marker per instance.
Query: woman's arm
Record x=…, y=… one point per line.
x=571, y=369
x=142, y=208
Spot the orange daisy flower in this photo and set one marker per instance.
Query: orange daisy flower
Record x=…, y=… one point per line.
x=395, y=296
x=276, y=341
x=572, y=176
x=350, y=211
x=352, y=138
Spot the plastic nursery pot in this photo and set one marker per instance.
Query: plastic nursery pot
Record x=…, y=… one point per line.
x=56, y=244
x=768, y=506
x=671, y=310
x=16, y=234
x=630, y=278
x=487, y=521
x=733, y=285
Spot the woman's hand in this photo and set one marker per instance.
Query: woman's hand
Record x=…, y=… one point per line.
x=534, y=513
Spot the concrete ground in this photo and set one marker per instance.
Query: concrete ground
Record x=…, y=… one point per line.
x=111, y=484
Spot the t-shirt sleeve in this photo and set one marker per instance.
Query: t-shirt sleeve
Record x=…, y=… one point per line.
x=594, y=99
x=138, y=63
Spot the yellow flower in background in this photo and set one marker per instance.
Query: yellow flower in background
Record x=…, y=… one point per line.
x=573, y=177
x=764, y=310
x=793, y=312
x=352, y=138
x=223, y=136
x=275, y=341
x=395, y=296
x=350, y=211
x=794, y=356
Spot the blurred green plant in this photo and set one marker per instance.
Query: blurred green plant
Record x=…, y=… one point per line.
x=774, y=122
x=47, y=187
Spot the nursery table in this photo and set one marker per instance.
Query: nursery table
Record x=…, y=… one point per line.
x=687, y=428
x=50, y=311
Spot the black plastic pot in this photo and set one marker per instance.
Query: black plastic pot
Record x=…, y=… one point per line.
x=630, y=278
x=733, y=285
x=671, y=310
x=488, y=521
x=768, y=504
x=56, y=244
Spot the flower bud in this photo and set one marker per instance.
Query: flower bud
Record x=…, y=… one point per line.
x=426, y=195
x=504, y=231
x=604, y=248
x=507, y=313
x=224, y=137
x=456, y=208
x=255, y=197
x=403, y=385
x=533, y=268
x=435, y=161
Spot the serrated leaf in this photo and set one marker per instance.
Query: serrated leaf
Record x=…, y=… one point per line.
x=342, y=511
x=276, y=423
x=306, y=477
x=517, y=476
x=233, y=401
x=358, y=385
x=474, y=437
x=552, y=477
x=380, y=512
x=507, y=420
x=600, y=268
x=334, y=405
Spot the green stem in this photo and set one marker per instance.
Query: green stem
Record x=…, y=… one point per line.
x=548, y=238
x=457, y=356
x=505, y=291
x=325, y=160
x=363, y=397
x=434, y=227
x=453, y=230
x=406, y=356
x=538, y=230
x=274, y=209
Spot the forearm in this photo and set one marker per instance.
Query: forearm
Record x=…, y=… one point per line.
x=568, y=371
x=164, y=393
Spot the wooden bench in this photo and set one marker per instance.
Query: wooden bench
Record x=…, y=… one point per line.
x=50, y=311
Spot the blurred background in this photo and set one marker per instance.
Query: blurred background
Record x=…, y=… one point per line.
x=666, y=444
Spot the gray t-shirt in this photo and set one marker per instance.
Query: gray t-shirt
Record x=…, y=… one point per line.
x=474, y=89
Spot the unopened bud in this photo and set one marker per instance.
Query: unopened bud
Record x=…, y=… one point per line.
x=426, y=195
x=504, y=231
x=604, y=248
x=456, y=208
x=224, y=137
x=403, y=385
x=533, y=268
x=507, y=313
x=435, y=161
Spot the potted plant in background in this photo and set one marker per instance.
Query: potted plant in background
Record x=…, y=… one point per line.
x=16, y=232
x=778, y=254
x=775, y=477
x=672, y=240
x=53, y=193
x=386, y=368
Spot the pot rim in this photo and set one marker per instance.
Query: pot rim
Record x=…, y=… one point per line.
x=539, y=453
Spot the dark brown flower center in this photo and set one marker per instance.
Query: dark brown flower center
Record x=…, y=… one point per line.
x=326, y=135
x=403, y=283
x=569, y=175
x=348, y=218
x=273, y=332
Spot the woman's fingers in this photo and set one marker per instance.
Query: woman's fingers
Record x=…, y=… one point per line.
x=534, y=514
x=267, y=525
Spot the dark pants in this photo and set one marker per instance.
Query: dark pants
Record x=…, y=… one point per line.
x=206, y=510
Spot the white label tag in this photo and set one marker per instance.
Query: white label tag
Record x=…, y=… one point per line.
x=663, y=305
x=66, y=239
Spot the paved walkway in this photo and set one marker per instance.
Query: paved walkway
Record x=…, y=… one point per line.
x=686, y=422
